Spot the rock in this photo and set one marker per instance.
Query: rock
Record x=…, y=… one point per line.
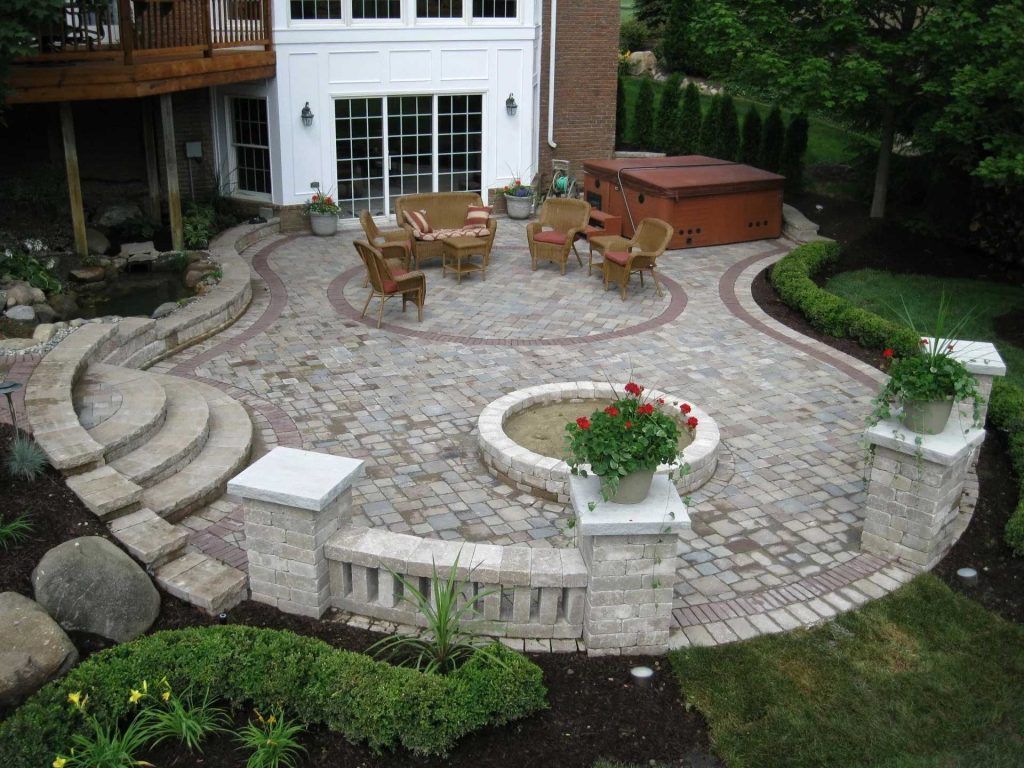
x=88, y=584
x=194, y=276
x=642, y=63
x=44, y=332
x=44, y=312
x=98, y=242
x=116, y=215
x=19, y=294
x=88, y=274
x=3, y=298
x=33, y=648
x=38, y=297
x=65, y=306
x=16, y=345
x=164, y=310
x=78, y=322
x=134, y=249
x=22, y=313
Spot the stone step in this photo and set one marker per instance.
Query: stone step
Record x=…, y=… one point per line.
x=205, y=477
x=132, y=334
x=183, y=434
x=203, y=581
x=106, y=492
x=149, y=538
x=139, y=404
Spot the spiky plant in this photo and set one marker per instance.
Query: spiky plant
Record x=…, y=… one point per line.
x=25, y=459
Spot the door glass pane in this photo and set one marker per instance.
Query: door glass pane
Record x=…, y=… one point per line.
x=410, y=146
x=359, y=141
x=460, y=143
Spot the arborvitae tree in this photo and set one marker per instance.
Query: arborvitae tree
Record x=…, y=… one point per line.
x=668, y=113
x=643, y=116
x=620, y=113
x=793, y=153
x=772, y=139
x=686, y=137
x=709, y=128
x=675, y=40
x=728, y=130
x=651, y=12
x=750, y=145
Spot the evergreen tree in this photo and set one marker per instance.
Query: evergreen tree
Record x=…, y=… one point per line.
x=772, y=139
x=651, y=12
x=728, y=130
x=668, y=113
x=643, y=116
x=750, y=146
x=709, y=128
x=676, y=46
x=620, y=113
x=793, y=153
x=686, y=137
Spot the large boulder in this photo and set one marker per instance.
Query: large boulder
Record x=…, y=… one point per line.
x=91, y=274
x=90, y=585
x=22, y=313
x=44, y=312
x=642, y=63
x=33, y=648
x=65, y=306
x=19, y=294
x=97, y=241
x=116, y=215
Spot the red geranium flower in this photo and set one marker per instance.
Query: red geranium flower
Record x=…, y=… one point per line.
x=924, y=342
x=661, y=401
x=634, y=389
x=887, y=354
x=685, y=408
x=692, y=422
x=611, y=410
x=583, y=422
x=647, y=409
x=629, y=424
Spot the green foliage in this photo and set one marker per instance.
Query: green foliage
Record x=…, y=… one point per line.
x=668, y=113
x=728, y=130
x=445, y=645
x=350, y=693
x=773, y=138
x=793, y=151
x=1006, y=413
x=643, y=117
x=708, y=142
x=198, y=225
x=19, y=260
x=621, y=118
x=925, y=377
x=922, y=677
x=677, y=49
x=750, y=143
x=100, y=745
x=686, y=139
x=185, y=719
x=272, y=740
x=19, y=26
x=651, y=12
x=25, y=459
x=138, y=228
x=14, y=531
x=633, y=35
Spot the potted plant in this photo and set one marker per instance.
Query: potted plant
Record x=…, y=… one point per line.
x=323, y=214
x=518, y=199
x=625, y=443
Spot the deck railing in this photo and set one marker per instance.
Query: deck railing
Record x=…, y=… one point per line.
x=132, y=29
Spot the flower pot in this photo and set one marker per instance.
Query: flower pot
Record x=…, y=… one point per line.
x=927, y=417
x=634, y=487
x=323, y=224
x=518, y=207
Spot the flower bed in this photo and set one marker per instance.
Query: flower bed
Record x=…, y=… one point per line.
x=350, y=693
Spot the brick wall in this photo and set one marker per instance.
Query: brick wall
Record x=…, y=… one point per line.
x=585, y=80
x=192, y=122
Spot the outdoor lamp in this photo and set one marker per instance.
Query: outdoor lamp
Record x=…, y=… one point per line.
x=510, y=105
x=307, y=115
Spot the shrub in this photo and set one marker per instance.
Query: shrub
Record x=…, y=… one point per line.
x=19, y=260
x=633, y=35
x=728, y=130
x=25, y=459
x=772, y=139
x=676, y=49
x=1006, y=412
x=350, y=693
x=651, y=12
x=708, y=143
x=198, y=225
x=686, y=139
x=138, y=227
x=750, y=143
x=621, y=119
x=668, y=113
x=643, y=116
x=793, y=151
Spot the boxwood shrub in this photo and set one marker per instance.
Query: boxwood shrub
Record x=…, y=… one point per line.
x=1006, y=413
x=361, y=699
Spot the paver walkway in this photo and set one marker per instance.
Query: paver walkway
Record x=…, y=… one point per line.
x=777, y=527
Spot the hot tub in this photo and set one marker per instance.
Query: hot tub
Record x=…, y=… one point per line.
x=707, y=201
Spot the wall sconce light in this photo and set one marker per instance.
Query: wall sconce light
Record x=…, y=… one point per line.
x=307, y=115
x=510, y=105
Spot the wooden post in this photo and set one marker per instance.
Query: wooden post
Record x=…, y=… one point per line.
x=67, y=128
x=152, y=164
x=171, y=170
x=127, y=27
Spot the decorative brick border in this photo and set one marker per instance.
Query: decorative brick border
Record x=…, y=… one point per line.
x=548, y=478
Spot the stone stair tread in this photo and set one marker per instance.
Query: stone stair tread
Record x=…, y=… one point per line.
x=106, y=492
x=203, y=581
x=140, y=414
x=148, y=537
x=185, y=428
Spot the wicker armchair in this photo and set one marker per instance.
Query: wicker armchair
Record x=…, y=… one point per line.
x=446, y=214
x=623, y=257
x=553, y=236
x=387, y=281
x=395, y=244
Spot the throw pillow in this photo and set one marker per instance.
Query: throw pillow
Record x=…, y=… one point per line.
x=418, y=221
x=476, y=216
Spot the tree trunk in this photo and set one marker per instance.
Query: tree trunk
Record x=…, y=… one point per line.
x=884, y=161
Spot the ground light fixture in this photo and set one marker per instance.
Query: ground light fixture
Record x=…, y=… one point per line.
x=307, y=115
x=968, y=576
x=641, y=676
x=510, y=105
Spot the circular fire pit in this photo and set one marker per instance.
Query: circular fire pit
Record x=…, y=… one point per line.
x=548, y=477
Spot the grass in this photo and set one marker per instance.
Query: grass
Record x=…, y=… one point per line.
x=883, y=293
x=826, y=143
x=626, y=9
x=923, y=677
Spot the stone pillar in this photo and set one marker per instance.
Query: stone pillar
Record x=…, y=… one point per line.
x=630, y=554
x=914, y=490
x=293, y=501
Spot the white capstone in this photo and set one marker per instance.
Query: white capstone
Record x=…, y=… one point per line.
x=663, y=511
x=949, y=446
x=296, y=478
x=978, y=357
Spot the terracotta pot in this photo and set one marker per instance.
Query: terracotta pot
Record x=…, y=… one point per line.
x=519, y=207
x=323, y=224
x=926, y=417
x=634, y=487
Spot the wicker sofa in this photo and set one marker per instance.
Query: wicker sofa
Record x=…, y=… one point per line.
x=446, y=214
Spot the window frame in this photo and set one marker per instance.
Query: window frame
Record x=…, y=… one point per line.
x=232, y=148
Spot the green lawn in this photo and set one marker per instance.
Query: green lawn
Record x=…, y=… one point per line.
x=883, y=293
x=923, y=677
x=826, y=143
x=626, y=8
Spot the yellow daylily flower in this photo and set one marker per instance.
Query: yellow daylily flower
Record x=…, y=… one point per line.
x=135, y=696
x=271, y=720
x=166, y=695
x=75, y=698
x=60, y=762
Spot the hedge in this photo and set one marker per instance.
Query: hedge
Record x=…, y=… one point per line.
x=245, y=667
x=831, y=314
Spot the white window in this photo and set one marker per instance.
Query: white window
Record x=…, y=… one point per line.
x=494, y=9
x=250, y=142
x=438, y=9
x=316, y=9
x=459, y=143
x=376, y=9
x=332, y=9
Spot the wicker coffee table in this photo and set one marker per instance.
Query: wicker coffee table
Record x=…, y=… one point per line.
x=458, y=256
